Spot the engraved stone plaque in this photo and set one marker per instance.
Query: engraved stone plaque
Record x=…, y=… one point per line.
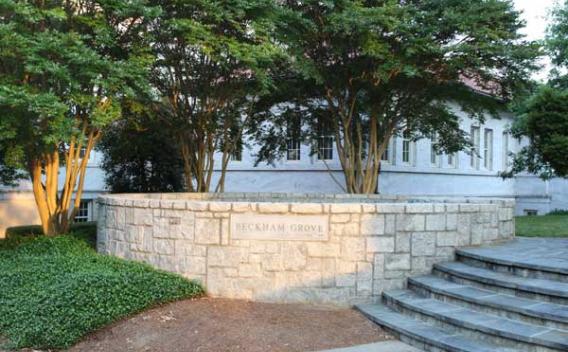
x=279, y=227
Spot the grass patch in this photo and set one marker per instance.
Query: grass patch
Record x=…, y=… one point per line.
x=55, y=290
x=542, y=226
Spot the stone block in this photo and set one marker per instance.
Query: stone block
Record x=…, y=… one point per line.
x=322, y=249
x=241, y=207
x=447, y=238
x=397, y=261
x=379, y=266
x=219, y=206
x=348, y=229
x=164, y=246
x=226, y=256
x=340, y=218
x=345, y=208
x=391, y=208
x=451, y=222
x=380, y=244
x=419, y=208
x=192, y=265
x=390, y=224
x=250, y=270
x=295, y=255
x=372, y=224
x=207, y=231
x=306, y=208
x=410, y=222
x=369, y=208
x=435, y=222
x=469, y=208
x=143, y=216
x=402, y=242
x=353, y=248
x=273, y=208
x=423, y=243
x=345, y=280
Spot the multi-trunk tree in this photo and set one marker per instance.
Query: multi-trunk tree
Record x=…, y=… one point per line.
x=212, y=63
x=366, y=71
x=65, y=67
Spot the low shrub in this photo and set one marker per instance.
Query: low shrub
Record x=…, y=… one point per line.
x=559, y=212
x=55, y=290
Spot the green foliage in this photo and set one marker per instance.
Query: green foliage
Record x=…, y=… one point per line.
x=140, y=155
x=542, y=226
x=557, y=35
x=364, y=71
x=55, y=290
x=214, y=59
x=544, y=120
x=558, y=212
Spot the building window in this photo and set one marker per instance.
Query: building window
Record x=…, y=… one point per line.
x=505, y=152
x=387, y=156
x=237, y=153
x=475, y=139
x=325, y=148
x=82, y=214
x=325, y=140
x=82, y=152
x=293, y=149
x=407, y=149
x=434, y=154
x=488, y=149
x=453, y=160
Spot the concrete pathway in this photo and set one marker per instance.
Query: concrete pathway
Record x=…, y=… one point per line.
x=384, y=346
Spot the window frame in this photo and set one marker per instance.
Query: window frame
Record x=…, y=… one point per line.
x=84, y=211
x=475, y=133
x=488, y=148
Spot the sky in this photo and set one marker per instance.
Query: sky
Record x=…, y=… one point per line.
x=535, y=14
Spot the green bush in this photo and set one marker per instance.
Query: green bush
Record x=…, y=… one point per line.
x=559, y=212
x=89, y=228
x=55, y=290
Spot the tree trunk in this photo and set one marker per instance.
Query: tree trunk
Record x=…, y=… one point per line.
x=57, y=209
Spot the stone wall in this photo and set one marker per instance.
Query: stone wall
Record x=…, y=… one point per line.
x=275, y=247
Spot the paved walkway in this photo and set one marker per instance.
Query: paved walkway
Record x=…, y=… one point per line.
x=385, y=346
x=546, y=253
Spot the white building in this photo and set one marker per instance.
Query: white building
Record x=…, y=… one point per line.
x=409, y=168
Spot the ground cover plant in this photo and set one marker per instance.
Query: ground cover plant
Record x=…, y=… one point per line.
x=54, y=290
x=542, y=226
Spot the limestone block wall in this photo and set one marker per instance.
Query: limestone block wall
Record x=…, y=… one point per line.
x=297, y=248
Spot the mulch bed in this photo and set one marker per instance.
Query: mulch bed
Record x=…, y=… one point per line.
x=218, y=325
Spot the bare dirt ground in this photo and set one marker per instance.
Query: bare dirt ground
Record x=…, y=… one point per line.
x=219, y=325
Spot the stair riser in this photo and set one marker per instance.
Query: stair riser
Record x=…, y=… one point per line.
x=422, y=344
x=455, y=326
x=426, y=292
x=513, y=270
x=501, y=289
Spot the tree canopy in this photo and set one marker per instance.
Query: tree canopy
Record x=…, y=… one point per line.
x=213, y=59
x=543, y=115
x=65, y=67
x=363, y=72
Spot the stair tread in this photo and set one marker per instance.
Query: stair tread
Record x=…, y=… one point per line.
x=480, y=321
x=548, y=287
x=549, y=254
x=527, y=306
x=424, y=332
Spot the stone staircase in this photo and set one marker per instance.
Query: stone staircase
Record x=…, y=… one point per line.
x=511, y=297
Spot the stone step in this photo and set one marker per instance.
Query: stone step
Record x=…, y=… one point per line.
x=540, y=289
x=425, y=336
x=518, y=308
x=521, y=257
x=478, y=325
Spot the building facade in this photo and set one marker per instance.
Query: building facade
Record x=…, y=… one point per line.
x=408, y=168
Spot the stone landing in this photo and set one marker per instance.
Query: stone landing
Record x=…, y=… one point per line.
x=510, y=297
